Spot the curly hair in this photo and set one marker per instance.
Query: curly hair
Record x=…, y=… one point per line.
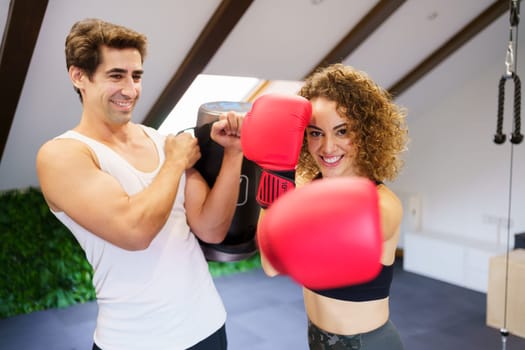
x=377, y=124
x=83, y=43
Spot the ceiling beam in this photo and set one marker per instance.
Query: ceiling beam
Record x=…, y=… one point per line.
x=488, y=16
x=368, y=24
x=209, y=41
x=23, y=23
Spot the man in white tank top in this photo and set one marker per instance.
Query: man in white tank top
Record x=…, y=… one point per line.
x=135, y=204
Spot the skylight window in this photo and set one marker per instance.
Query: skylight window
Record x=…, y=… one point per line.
x=207, y=88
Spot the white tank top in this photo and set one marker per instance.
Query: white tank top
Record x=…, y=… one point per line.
x=159, y=298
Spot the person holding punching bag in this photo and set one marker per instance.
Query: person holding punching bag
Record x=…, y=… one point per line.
x=337, y=233
x=135, y=203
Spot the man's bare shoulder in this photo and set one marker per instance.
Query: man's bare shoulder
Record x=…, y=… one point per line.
x=59, y=157
x=60, y=148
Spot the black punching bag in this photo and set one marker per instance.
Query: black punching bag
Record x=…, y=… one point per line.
x=240, y=241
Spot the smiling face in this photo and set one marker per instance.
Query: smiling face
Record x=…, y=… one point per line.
x=329, y=140
x=115, y=87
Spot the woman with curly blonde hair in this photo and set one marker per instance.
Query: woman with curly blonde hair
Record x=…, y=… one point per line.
x=355, y=130
x=376, y=124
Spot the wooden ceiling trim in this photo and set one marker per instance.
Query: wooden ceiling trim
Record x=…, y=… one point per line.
x=488, y=16
x=23, y=23
x=211, y=38
x=370, y=22
x=258, y=91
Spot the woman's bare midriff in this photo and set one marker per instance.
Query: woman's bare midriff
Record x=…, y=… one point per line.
x=345, y=317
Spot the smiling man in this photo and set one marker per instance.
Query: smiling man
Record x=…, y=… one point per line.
x=136, y=205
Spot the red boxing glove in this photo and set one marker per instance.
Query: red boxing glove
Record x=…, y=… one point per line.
x=326, y=234
x=271, y=136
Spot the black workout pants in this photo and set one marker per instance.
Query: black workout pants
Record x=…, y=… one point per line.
x=216, y=341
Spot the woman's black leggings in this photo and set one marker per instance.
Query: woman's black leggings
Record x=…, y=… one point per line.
x=385, y=337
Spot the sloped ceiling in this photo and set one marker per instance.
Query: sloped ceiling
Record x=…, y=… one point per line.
x=397, y=42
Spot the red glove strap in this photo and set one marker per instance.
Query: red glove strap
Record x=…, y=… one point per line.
x=272, y=185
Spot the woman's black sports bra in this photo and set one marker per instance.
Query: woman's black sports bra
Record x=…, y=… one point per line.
x=378, y=288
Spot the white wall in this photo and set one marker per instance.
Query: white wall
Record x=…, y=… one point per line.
x=459, y=174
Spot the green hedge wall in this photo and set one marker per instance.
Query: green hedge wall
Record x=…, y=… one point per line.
x=41, y=264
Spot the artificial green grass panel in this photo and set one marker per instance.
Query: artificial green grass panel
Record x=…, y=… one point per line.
x=227, y=268
x=42, y=265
